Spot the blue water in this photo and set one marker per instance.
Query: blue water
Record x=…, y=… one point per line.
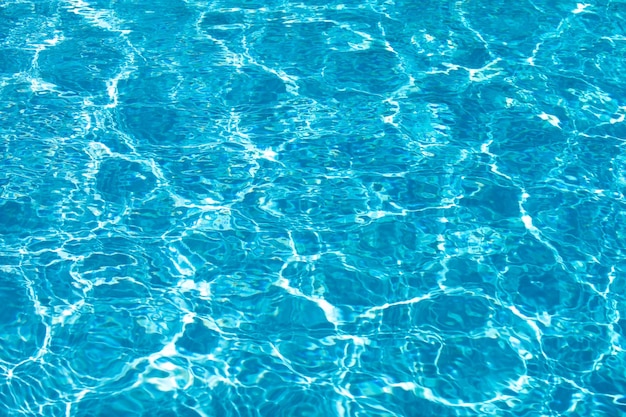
x=274, y=208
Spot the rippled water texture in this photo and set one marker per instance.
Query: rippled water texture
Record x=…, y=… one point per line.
x=246, y=208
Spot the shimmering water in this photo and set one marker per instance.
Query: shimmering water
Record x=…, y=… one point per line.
x=274, y=208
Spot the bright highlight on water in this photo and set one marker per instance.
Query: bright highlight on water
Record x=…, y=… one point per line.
x=250, y=209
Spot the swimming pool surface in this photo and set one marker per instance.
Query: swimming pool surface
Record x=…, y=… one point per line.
x=281, y=208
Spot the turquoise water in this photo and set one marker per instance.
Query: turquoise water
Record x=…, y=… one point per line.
x=274, y=208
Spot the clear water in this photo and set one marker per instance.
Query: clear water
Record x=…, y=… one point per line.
x=273, y=208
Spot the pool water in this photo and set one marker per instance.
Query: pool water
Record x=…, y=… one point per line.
x=281, y=208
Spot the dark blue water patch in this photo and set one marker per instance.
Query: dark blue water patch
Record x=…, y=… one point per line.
x=571, y=242
x=273, y=126
x=525, y=25
x=198, y=339
x=154, y=216
x=100, y=346
x=601, y=378
x=306, y=402
x=253, y=88
x=111, y=139
x=471, y=274
x=490, y=201
x=462, y=368
x=417, y=190
x=404, y=236
x=18, y=218
x=148, y=87
x=14, y=15
x=220, y=173
x=573, y=354
x=215, y=23
x=119, y=180
x=216, y=245
x=308, y=355
x=590, y=215
x=39, y=119
x=295, y=55
x=59, y=286
x=88, y=62
x=13, y=61
x=374, y=70
x=25, y=328
x=562, y=398
x=124, y=289
x=490, y=99
x=156, y=25
x=549, y=292
x=349, y=287
x=153, y=124
x=285, y=315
